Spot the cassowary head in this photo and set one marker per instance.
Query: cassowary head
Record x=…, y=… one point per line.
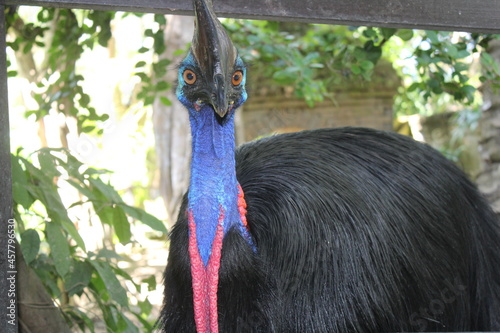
x=212, y=76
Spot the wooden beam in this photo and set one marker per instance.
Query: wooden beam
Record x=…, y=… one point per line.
x=453, y=15
x=7, y=267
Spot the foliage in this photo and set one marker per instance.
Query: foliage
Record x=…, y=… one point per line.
x=154, y=84
x=444, y=63
x=50, y=239
x=55, y=249
x=314, y=58
x=64, y=35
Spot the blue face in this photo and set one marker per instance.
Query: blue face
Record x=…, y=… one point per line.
x=223, y=94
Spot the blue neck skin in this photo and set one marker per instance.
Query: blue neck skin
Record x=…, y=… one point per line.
x=213, y=188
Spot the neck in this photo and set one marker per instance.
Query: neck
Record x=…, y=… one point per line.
x=215, y=205
x=213, y=189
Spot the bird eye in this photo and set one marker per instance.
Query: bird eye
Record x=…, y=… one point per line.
x=189, y=76
x=237, y=78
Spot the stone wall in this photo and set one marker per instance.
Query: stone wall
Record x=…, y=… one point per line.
x=489, y=126
x=276, y=114
x=489, y=177
x=273, y=110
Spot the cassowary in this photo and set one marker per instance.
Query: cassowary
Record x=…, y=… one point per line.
x=332, y=230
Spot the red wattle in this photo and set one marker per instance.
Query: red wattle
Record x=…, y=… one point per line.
x=205, y=279
x=242, y=206
x=213, y=273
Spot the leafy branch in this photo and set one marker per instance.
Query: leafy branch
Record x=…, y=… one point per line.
x=51, y=239
x=56, y=250
x=313, y=59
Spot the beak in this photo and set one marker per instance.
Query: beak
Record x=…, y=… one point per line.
x=219, y=96
x=214, y=52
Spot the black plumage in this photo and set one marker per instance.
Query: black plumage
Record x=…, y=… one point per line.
x=356, y=230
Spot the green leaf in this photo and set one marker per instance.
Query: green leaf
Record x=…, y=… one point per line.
x=71, y=230
x=27, y=48
x=373, y=52
x=367, y=65
x=151, y=282
x=405, y=34
x=469, y=91
x=44, y=190
x=59, y=248
x=78, y=277
x=414, y=86
x=82, y=188
x=179, y=52
x=160, y=19
x=120, y=272
x=433, y=36
x=451, y=50
x=437, y=90
x=107, y=190
x=145, y=218
x=433, y=83
x=461, y=67
x=46, y=161
x=487, y=59
x=369, y=33
x=45, y=15
x=164, y=62
x=284, y=77
x=148, y=100
x=115, y=290
x=462, y=54
x=110, y=317
x=356, y=69
x=121, y=225
x=165, y=101
x=30, y=245
x=144, y=77
x=359, y=53
x=80, y=317
x=145, y=307
x=115, y=216
x=140, y=64
x=45, y=269
x=20, y=184
x=147, y=326
x=424, y=59
x=109, y=254
x=84, y=100
x=126, y=325
x=388, y=32
x=162, y=85
x=88, y=128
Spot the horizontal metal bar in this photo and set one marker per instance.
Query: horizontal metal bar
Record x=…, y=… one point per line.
x=453, y=15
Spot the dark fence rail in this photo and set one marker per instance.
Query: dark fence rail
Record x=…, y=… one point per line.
x=456, y=15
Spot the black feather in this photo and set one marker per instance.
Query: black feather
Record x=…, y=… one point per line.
x=356, y=230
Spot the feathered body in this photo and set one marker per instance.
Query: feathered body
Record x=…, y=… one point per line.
x=333, y=230
x=356, y=230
